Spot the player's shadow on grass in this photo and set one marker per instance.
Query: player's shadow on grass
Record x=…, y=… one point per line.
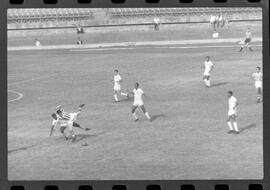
x=81, y=137
x=219, y=84
x=247, y=127
x=154, y=117
x=22, y=148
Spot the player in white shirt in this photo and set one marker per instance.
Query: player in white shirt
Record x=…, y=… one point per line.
x=208, y=67
x=258, y=77
x=66, y=120
x=117, y=86
x=215, y=34
x=37, y=42
x=231, y=121
x=247, y=41
x=138, y=102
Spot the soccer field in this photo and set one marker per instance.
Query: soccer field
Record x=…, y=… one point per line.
x=187, y=139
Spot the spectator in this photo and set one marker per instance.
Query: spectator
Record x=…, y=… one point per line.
x=80, y=29
x=79, y=41
x=37, y=42
x=156, y=23
x=215, y=34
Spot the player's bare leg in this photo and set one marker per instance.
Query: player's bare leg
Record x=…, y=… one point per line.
x=259, y=95
x=116, y=96
x=62, y=131
x=133, y=111
x=229, y=122
x=234, y=122
x=79, y=126
x=124, y=94
x=249, y=47
x=145, y=112
x=206, y=80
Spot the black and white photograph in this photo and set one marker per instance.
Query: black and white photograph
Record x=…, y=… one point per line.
x=135, y=93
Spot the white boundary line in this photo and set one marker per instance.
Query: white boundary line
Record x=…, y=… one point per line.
x=128, y=44
x=151, y=47
x=20, y=95
x=28, y=80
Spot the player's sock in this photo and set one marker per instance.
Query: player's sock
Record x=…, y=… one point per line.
x=230, y=125
x=147, y=115
x=123, y=94
x=116, y=98
x=235, y=126
x=205, y=81
x=135, y=116
x=208, y=83
x=241, y=49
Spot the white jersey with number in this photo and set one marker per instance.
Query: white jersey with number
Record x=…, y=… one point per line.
x=138, y=101
x=232, y=106
x=258, y=79
x=208, y=65
x=117, y=79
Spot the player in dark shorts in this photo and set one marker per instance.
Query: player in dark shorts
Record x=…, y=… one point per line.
x=247, y=41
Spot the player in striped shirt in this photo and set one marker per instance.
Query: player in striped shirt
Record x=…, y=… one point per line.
x=247, y=41
x=258, y=77
x=67, y=120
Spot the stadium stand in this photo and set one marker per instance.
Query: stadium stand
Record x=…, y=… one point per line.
x=67, y=17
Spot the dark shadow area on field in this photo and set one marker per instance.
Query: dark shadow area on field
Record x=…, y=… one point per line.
x=247, y=127
x=154, y=117
x=219, y=84
x=22, y=148
x=81, y=137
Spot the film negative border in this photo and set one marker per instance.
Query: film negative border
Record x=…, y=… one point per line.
x=130, y=184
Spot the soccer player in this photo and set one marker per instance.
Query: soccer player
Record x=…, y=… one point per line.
x=215, y=34
x=57, y=122
x=257, y=76
x=231, y=121
x=79, y=41
x=247, y=40
x=208, y=67
x=117, y=86
x=138, y=102
x=37, y=42
x=63, y=124
x=70, y=119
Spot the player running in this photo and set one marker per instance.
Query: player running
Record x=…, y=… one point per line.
x=67, y=120
x=208, y=67
x=231, y=121
x=247, y=40
x=258, y=77
x=138, y=102
x=117, y=86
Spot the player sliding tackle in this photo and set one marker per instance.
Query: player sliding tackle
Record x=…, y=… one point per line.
x=208, y=67
x=138, y=102
x=257, y=76
x=231, y=121
x=66, y=120
x=117, y=86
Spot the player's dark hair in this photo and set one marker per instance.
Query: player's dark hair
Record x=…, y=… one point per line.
x=54, y=116
x=58, y=111
x=208, y=57
x=258, y=68
x=230, y=92
x=116, y=70
x=137, y=84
